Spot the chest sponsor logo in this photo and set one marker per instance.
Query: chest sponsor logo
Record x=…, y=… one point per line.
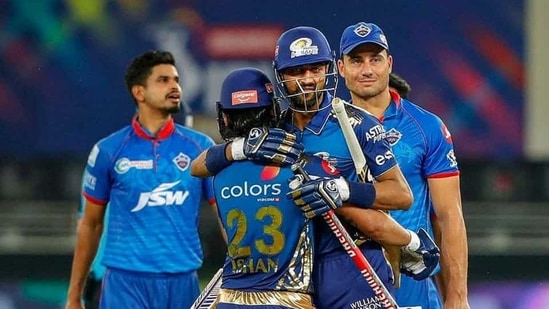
x=375, y=134
x=182, y=161
x=161, y=196
x=123, y=165
x=393, y=136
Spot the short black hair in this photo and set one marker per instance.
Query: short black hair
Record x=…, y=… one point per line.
x=400, y=85
x=141, y=67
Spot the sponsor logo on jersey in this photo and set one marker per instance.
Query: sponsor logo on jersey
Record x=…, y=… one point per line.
x=182, y=161
x=93, y=155
x=452, y=158
x=303, y=47
x=89, y=181
x=375, y=134
x=387, y=156
x=269, y=173
x=393, y=136
x=327, y=163
x=161, y=196
x=446, y=133
x=262, y=191
x=123, y=165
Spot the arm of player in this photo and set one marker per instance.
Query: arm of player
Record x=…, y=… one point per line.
x=446, y=197
x=268, y=145
x=88, y=236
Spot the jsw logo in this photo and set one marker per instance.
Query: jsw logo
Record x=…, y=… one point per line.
x=161, y=197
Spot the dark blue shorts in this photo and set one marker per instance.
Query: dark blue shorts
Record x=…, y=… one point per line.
x=126, y=289
x=339, y=284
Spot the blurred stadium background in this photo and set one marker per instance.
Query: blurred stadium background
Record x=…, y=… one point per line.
x=481, y=65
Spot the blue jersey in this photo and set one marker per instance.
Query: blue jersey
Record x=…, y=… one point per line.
x=97, y=269
x=337, y=281
x=153, y=200
x=270, y=242
x=423, y=147
x=323, y=136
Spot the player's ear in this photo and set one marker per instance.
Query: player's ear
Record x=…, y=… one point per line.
x=138, y=92
x=340, y=67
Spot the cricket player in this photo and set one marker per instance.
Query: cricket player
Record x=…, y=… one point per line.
x=152, y=246
x=424, y=150
x=305, y=71
x=270, y=243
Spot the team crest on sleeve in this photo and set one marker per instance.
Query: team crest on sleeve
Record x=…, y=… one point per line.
x=182, y=161
x=393, y=136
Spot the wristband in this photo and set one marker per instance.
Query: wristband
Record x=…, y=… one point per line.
x=216, y=160
x=362, y=194
x=237, y=149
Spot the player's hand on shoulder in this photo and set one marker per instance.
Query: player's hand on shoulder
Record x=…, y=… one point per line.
x=420, y=263
x=269, y=145
x=316, y=196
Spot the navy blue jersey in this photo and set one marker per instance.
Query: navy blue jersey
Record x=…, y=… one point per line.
x=323, y=137
x=153, y=201
x=270, y=242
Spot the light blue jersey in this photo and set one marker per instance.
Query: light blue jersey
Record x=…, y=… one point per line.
x=423, y=147
x=154, y=202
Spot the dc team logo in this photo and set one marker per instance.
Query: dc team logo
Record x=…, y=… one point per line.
x=393, y=136
x=182, y=161
x=362, y=30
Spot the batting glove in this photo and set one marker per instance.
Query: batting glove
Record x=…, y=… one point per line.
x=269, y=145
x=420, y=262
x=316, y=196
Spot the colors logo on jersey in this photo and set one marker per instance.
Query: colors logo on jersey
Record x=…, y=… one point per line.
x=269, y=173
x=123, y=165
x=393, y=136
x=182, y=161
x=161, y=196
x=303, y=47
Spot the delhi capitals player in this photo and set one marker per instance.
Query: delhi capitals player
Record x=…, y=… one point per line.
x=152, y=248
x=270, y=243
x=423, y=147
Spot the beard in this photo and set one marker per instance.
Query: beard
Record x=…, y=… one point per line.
x=172, y=109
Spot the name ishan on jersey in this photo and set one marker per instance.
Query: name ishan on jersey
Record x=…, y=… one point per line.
x=250, y=265
x=161, y=196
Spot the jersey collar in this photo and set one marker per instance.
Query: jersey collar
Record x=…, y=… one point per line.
x=394, y=106
x=163, y=133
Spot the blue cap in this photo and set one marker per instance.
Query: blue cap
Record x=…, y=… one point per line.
x=359, y=34
x=300, y=46
x=246, y=88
